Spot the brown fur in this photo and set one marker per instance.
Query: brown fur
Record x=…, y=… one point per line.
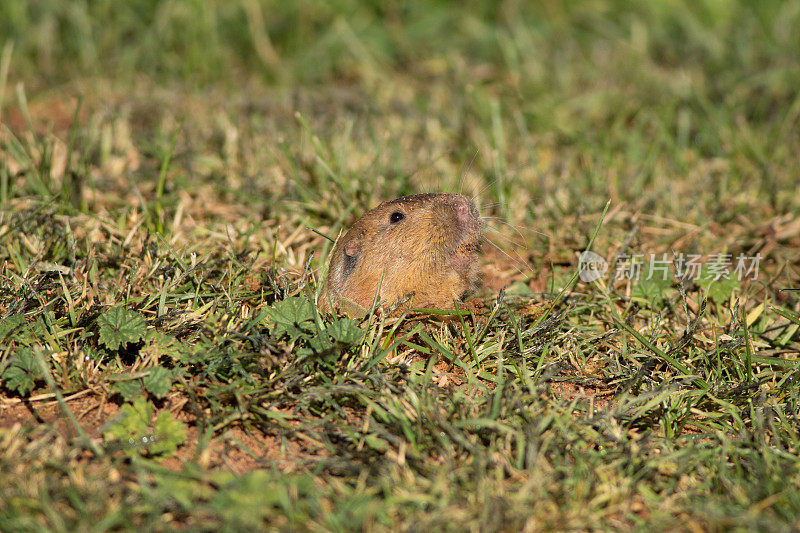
x=431, y=253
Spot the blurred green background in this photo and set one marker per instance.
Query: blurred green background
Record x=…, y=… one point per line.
x=658, y=83
x=631, y=56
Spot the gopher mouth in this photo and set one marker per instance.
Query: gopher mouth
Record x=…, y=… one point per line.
x=464, y=258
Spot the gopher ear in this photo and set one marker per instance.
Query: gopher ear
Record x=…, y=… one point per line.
x=353, y=247
x=351, y=251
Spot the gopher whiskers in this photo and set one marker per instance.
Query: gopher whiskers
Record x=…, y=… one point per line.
x=514, y=260
x=464, y=173
x=500, y=219
x=512, y=226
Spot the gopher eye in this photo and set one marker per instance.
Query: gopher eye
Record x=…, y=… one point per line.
x=396, y=217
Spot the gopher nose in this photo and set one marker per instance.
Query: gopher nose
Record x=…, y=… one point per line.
x=463, y=210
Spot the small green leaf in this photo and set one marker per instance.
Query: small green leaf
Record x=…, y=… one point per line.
x=133, y=430
x=169, y=434
x=346, y=331
x=653, y=290
x=133, y=421
x=22, y=372
x=158, y=381
x=158, y=345
x=129, y=390
x=318, y=343
x=293, y=310
x=120, y=326
x=719, y=287
x=292, y=316
x=7, y=325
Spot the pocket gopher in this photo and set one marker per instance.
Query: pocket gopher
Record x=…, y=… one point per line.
x=425, y=246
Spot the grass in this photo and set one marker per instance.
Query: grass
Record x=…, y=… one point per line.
x=169, y=172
